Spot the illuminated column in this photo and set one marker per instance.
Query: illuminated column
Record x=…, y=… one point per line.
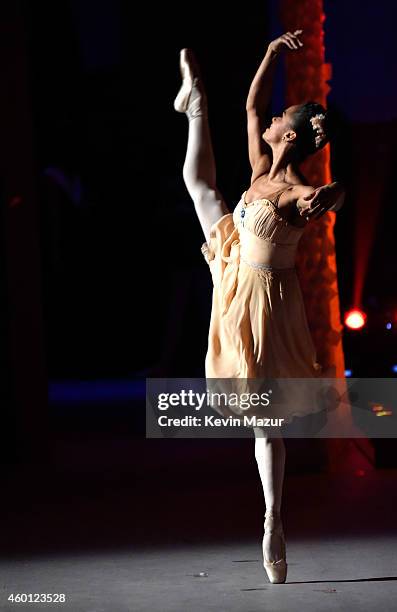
x=306, y=80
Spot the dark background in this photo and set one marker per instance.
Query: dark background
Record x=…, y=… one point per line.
x=125, y=286
x=120, y=287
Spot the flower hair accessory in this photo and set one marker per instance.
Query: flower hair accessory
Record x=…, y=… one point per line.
x=318, y=125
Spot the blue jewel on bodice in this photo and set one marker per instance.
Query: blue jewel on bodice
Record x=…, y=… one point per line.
x=242, y=215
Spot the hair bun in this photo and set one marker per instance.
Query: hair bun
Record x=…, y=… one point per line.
x=318, y=126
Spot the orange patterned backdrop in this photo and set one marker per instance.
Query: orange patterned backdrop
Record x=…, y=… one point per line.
x=306, y=77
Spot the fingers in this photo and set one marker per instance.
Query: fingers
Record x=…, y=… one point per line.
x=292, y=40
x=286, y=39
x=318, y=212
x=314, y=214
x=297, y=34
x=319, y=200
x=314, y=209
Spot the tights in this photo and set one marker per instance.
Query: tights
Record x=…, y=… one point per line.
x=199, y=174
x=270, y=457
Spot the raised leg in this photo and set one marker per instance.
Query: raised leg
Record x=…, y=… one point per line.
x=199, y=170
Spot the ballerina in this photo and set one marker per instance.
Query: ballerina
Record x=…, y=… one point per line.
x=251, y=253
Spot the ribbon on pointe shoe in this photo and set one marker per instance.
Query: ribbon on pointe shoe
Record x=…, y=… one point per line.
x=273, y=523
x=197, y=106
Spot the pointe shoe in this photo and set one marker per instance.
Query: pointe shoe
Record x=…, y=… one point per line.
x=276, y=570
x=191, y=98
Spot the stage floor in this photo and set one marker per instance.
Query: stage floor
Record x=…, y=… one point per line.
x=173, y=544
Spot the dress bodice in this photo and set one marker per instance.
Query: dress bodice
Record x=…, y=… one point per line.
x=265, y=236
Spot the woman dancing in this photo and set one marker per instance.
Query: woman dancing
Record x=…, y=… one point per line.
x=258, y=326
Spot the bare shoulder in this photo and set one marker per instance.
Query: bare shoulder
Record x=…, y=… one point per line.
x=292, y=204
x=300, y=191
x=291, y=197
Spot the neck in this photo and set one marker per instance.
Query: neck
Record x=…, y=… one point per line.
x=280, y=166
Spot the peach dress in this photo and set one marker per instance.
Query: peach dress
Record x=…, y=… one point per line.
x=258, y=327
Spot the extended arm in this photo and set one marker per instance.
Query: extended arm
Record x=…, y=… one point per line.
x=258, y=100
x=315, y=202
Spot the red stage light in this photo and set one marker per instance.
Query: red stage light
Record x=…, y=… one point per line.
x=355, y=319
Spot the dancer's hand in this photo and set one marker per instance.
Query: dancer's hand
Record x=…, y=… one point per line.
x=286, y=41
x=321, y=200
